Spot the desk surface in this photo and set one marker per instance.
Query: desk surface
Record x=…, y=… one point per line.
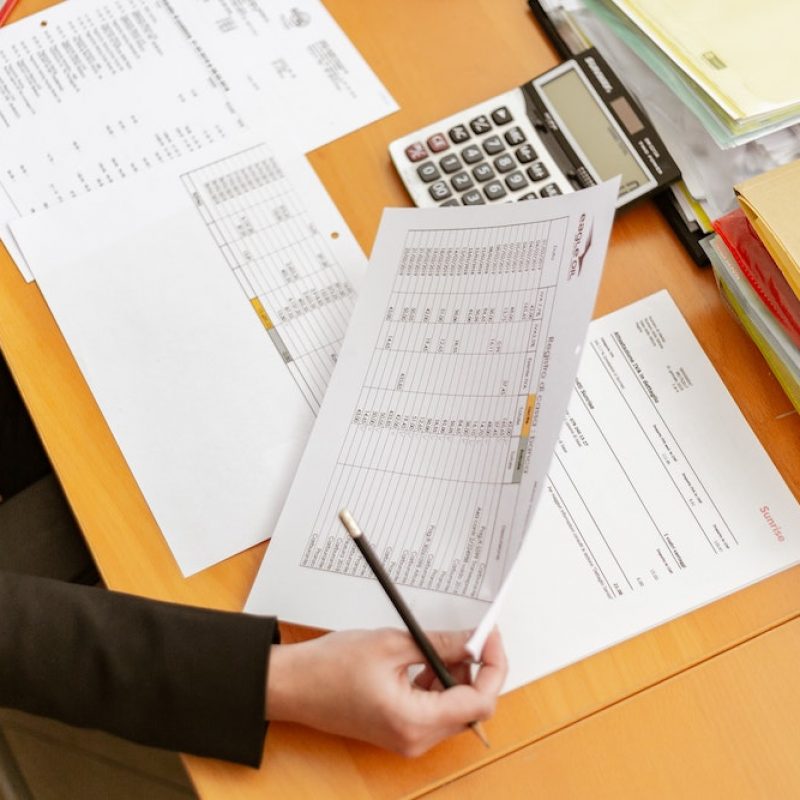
x=705, y=704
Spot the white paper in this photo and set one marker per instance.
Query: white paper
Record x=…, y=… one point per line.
x=94, y=92
x=440, y=420
x=660, y=499
x=205, y=312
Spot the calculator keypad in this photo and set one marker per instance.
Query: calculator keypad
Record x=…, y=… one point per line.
x=489, y=153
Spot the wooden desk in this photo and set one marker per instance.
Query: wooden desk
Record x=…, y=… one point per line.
x=703, y=704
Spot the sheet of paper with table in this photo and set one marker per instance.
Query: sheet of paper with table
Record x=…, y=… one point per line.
x=93, y=94
x=442, y=414
x=205, y=311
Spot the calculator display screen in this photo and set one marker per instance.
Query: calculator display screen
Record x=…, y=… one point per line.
x=594, y=132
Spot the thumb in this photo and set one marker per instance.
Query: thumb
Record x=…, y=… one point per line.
x=450, y=645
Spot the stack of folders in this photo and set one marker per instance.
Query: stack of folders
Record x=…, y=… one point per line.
x=735, y=65
x=755, y=254
x=720, y=81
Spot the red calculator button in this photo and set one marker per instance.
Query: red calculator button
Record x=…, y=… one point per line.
x=438, y=142
x=416, y=151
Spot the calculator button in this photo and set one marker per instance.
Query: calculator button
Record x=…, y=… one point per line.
x=525, y=154
x=458, y=134
x=494, y=190
x=438, y=142
x=473, y=198
x=480, y=124
x=428, y=171
x=514, y=136
x=450, y=163
x=416, y=151
x=527, y=196
x=461, y=182
x=483, y=172
x=538, y=172
x=584, y=178
x=440, y=191
x=492, y=145
x=472, y=154
x=516, y=181
x=551, y=190
x=501, y=115
x=451, y=202
x=504, y=163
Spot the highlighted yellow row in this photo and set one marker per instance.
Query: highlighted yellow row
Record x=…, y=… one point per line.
x=262, y=313
x=526, y=420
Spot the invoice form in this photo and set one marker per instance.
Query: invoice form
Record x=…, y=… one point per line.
x=94, y=92
x=659, y=498
x=441, y=417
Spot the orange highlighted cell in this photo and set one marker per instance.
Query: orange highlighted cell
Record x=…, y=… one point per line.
x=262, y=313
x=526, y=420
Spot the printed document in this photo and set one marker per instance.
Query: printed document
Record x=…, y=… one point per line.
x=659, y=499
x=440, y=420
x=205, y=311
x=93, y=93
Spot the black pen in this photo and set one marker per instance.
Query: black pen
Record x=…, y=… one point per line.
x=421, y=640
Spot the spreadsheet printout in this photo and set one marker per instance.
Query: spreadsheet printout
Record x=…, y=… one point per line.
x=659, y=499
x=439, y=423
x=95, y=92
x=206, y=312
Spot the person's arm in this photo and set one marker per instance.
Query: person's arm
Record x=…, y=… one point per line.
x=203, y=682
x=161, y=674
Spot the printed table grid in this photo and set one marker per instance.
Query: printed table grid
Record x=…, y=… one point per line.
x=281, y=261
x=432, y=461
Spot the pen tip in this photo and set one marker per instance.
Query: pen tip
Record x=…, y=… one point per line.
x=480, y=733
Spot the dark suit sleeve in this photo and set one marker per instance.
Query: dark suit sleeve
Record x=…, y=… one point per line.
x=164, y=675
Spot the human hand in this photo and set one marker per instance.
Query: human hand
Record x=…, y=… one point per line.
x=356, y=684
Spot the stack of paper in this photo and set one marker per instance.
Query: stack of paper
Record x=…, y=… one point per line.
x=713, y=151
x=719, y=56
x=770, y=202
x=755, y=260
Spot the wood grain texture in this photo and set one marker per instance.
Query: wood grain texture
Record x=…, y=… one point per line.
x=435, y=58
x=727, y=728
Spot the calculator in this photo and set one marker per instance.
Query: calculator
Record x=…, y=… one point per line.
x=569, y=128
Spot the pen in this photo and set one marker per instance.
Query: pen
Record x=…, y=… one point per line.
x=421, y=640
x=6, y=9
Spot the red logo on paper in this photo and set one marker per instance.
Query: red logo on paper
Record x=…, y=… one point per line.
x=776, y=529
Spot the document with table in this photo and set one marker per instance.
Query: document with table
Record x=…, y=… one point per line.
x=94, y=93
x=205, y=311
x=659, y=498
x=441, y=417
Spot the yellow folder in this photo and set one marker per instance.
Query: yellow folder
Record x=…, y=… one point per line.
x=772, y=204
